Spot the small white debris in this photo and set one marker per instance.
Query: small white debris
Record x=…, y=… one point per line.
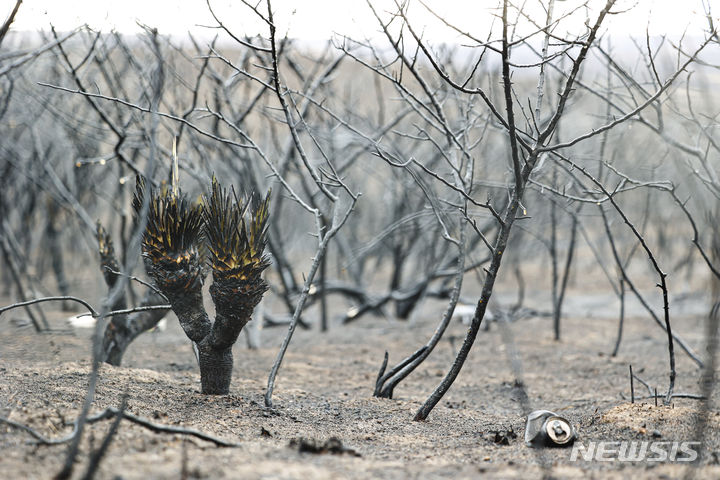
x=82, y=321
x=88, y=321
x=465, y=314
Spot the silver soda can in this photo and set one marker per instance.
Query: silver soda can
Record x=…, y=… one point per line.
x=547, y=429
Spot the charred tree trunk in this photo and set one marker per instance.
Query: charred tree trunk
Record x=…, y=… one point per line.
x=123, y=329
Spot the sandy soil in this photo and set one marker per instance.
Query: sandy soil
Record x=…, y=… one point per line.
x=325, y=390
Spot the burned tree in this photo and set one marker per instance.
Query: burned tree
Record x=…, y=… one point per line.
x=124, y=328
x=175, y=247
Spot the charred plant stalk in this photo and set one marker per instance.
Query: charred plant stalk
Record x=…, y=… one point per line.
x=521, y=175
x=631, y=285
x=171, y=249
x=498, y=250
x=621, y=321
x=386, y=382
x=120, y=334
x=554, y=262
x=662, y=285
x=559, y=292
x=174, y=250
x=237, y=259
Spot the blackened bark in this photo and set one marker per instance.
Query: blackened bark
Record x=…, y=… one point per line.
x=214, y=343
x=235, y=296
x=234, y=303
x=183, y=288
x=122, y=329
x=215, y=368
x=386, y=383
x=487, y=290
x=188, y=306
x=234, y=300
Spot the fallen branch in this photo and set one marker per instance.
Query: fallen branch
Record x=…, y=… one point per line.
x=112, y=412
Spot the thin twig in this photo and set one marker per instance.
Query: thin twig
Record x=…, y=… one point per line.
x=60, y=298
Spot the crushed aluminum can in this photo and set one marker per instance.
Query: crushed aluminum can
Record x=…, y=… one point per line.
x=547, y=429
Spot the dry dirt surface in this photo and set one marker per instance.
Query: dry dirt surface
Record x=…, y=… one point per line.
x=326, y=424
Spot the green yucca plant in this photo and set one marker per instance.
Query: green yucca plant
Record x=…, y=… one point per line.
x=178, y=239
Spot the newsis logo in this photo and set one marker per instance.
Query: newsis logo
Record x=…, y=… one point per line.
x=627, y=451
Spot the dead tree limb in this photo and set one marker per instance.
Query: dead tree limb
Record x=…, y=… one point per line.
x=386, y=383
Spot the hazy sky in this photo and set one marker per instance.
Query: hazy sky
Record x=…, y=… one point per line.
x=315, y=20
